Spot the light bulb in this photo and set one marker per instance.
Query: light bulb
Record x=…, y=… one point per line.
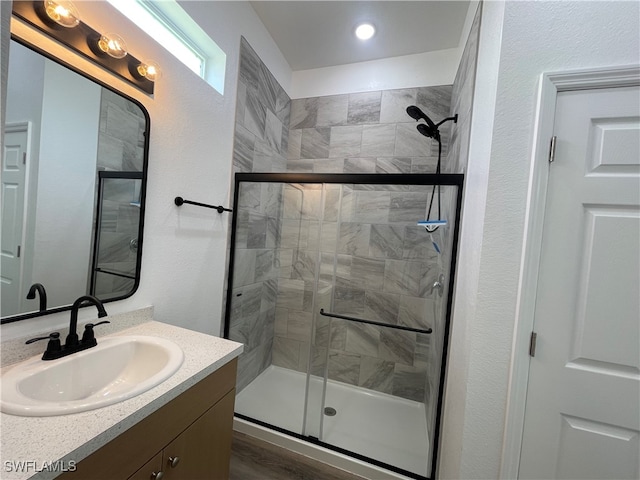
x=149, y=70
x=365, y=31
x=113, y=45
x=62, y=12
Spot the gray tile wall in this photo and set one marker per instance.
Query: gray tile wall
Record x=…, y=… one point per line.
x=373, y=260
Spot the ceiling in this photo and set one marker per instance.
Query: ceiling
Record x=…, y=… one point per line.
x=314, y=34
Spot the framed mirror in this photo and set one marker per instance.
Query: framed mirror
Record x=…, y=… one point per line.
x=74, y=166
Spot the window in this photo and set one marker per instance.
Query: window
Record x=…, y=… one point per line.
x=168, y=24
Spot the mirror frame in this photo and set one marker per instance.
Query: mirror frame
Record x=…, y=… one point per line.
x=143, y=190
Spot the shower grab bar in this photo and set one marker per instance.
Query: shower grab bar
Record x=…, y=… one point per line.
x=180, y=201
x=371, y=322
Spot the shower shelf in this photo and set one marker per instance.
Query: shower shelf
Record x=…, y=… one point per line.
x=371, y=322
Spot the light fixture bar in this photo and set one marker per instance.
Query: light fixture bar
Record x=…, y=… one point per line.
x=83, y=39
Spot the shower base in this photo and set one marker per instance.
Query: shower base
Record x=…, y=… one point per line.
x=382, y=427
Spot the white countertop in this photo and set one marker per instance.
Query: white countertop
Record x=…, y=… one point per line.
x=39, y=442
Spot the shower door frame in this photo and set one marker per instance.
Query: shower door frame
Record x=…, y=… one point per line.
x=427, y=179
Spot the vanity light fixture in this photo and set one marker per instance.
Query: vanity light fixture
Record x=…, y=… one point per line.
x=113, y=45
x=62, y=12
x=365, y=31
x=149, y=70
x=107, y=50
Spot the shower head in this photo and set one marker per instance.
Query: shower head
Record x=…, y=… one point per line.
x=429, y=132
x=417, y=114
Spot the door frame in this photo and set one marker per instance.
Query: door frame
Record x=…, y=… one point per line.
x=549, y=85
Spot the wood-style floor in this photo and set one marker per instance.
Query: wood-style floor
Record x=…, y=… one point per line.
x=253, y=459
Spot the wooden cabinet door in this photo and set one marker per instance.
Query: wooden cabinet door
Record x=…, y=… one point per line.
x=151, y=470
x=203, y=450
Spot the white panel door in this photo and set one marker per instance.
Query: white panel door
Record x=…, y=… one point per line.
x=583, y=401
x=13, y=187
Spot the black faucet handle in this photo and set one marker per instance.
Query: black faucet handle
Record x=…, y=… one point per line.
x=88, y=337
x=51, y=336
x=53, y=347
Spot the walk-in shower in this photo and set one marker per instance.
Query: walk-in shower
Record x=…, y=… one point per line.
x=343, y=301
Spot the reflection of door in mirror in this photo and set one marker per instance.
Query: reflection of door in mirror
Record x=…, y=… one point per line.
x=77, y=129
x=14, y=165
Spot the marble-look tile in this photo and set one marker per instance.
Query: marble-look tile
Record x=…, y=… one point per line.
x=344, y=367
x=295, y=144
x=242, y=229
x=354, y=238
x=408, y=277
x=415, y=312
x=386, y=241
x=410, y=142
x=369, y=272
x=381, y=307
x=426, y=164
x=364, y=108
x=435, y=101
x=300, y=166
x=418, y=244
x=345, y=141
x=293, y=234
x=304, y=113
x=349, y=301
x=393, y=165
x=362, y=339
x=257, y=233
x=268, y=87
x=269, y=297
x=249, y=65
x=409, y=382
x=409, y=207
x=378, y=140
x=243, y=144
x=340, y=273
x=328, y=237
x=247, y=368
x=110, y=152
x=359, y=165
x=311, y=208
x=281, y=322
x=255, y=114
x=273, y=131
x=265, y=265
x=244, y=267
x=293, y=198
x=332, y=110
x=290, y=294
x=299, y=325
x=331, y=203
x=304, y=265
x=376, y=374
x=286, y=353
x=315, y=142
x=397, y=346
x=372, y=207
x=283, y=107
x=328, y=165
x=394, y=105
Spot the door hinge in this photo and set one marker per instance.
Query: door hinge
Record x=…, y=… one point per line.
x=552, y=149
x=532, y=344
x=24, y=158
x=18, y=251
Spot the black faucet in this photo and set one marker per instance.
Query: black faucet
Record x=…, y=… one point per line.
x=72, y=344
x=42, y=294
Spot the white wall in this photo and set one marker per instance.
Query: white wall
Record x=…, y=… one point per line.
x=525, y=39
x=190, y=155
x=64, y=216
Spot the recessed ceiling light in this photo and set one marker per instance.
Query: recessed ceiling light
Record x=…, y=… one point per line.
x=365, y=31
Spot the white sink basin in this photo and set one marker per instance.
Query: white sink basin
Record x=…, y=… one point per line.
x=118, y=368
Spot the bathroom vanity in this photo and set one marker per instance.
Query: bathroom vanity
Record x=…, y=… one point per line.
x=181, y=428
